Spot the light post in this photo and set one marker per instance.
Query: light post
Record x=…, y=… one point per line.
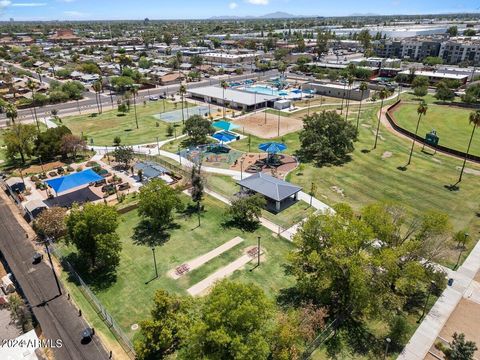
x=258, y=251
x=241, y=169
x=158, y=146
x=430, y=289
x=388, y=341
x=278, y=124
x=155, y=262
x=466, y=235
x=45, y=242
x=179, y=155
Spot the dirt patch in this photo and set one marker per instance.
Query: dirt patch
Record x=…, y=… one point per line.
x=464, y=319
x=268, y=128
x=337, y=190
x=469, y=171
x=35, y=169
x=386, y=155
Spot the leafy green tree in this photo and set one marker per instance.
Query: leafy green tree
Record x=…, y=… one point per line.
x=49, y=142
x=19, y=140
x=157, y=201
x=469, y=32
x=92, y=230
x=197, y=186
x=327, y=138
x=460, y=349
x=444, y=93
x=322, y=43
x=74, y=89
x=432, y=61
x=161, y=335
x=245, y=212
x=420, y=91
x=197, y=128
x=452, y=31
x=234, y=323
x=123, y=154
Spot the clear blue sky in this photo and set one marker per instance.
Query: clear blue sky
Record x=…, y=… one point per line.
x=188, y=9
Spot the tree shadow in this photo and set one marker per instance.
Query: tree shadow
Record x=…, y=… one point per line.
x=97, y=279
x=247, y=226
x=402, y=168
x=145, y=234
x=365, y=151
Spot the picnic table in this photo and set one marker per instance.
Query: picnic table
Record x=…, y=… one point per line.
x=182, y=269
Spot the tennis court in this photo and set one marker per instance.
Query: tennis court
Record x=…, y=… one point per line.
x=176, y=115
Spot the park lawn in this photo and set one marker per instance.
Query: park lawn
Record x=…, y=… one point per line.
x=373, y=176
x=222, y=184
x=123, y=296
x=450, y=122
x=291, y=215
x=291, y=140
x=103, y=128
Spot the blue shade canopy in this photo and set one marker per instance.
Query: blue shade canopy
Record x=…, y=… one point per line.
x=272, y=147
x=224, y=125
x=222, y=137
x=74, y=180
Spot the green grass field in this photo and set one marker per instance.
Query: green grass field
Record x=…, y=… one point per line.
x=373, y=176
x=104, y=127
x=291, y=215
x=122, y=298
x=450, y=122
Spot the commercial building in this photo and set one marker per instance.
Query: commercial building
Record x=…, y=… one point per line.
x=337, y=90
x=223, y=58
x=436, y=76
x=236, y=99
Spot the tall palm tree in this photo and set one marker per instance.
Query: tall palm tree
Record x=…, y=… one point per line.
x=363, y=87
x=383, y=94
x=97, y=87
x=421, y=110
x=183, y=90
x=11, y=112
x=474, y=119
x=343, y=95
x=134, y=90
x=32, y=85
x=224, y=85
x=350, y=83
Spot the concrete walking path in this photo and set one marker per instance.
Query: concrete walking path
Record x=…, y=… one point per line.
x=428, y=331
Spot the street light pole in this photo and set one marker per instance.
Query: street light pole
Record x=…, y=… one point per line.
x=155, y=262
x=432, y=284
x=53, y=269
x=461, y=251
x=258, y=251
x=241, y=170
x=388, y=341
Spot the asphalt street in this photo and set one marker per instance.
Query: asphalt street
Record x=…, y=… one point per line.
x=89, y=102
x=56, y=315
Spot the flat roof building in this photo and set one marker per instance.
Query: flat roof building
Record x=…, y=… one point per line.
x=436, y=76
x=236, y=98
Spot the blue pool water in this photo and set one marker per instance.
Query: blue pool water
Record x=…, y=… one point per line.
x=267, y=90
x=224, y=136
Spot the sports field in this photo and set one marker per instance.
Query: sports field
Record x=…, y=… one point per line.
x=103, y=128
x=450, y=122
x=267, y=125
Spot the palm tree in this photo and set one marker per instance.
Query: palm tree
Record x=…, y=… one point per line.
x=97, y=86
x=39, y=73
x=182, y=90
x=474, y=119
x=363, y=87
x=134, y=90
x=343, y=95
x=383, y=94
x=421, y=110
x=350, y=83
x=11, y=112
x=224, y=85
x=32, y=85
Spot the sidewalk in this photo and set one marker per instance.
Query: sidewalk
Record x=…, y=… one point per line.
x=426, y=334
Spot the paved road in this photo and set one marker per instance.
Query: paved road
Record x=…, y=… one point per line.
x=58, y=318
x=89, y=101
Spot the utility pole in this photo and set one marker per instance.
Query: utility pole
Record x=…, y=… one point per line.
x=45, y=242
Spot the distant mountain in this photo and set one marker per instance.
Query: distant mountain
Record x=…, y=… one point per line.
x=366, y=14
x=275, y=15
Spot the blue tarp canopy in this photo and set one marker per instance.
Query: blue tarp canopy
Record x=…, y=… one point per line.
x=74, y=180
x=224, y=125
x=272, y=147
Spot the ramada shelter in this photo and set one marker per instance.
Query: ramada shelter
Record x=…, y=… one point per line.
x=279, y=194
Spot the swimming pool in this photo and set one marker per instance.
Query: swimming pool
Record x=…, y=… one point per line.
x=268, y=90
x=225, y=136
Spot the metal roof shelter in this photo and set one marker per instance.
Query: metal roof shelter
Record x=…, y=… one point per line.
x=150, y=170
x=272, y=188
